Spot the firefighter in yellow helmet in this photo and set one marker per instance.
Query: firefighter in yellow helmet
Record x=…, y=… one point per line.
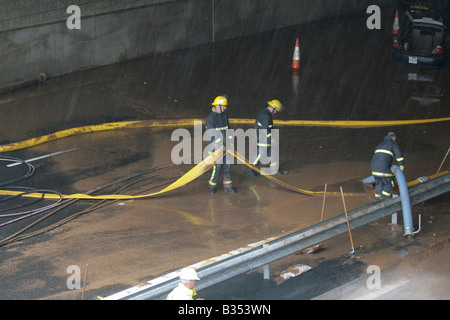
x=264, y=126
x=218, y=121
x=384, y=154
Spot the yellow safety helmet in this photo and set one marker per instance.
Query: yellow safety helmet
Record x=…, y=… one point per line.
x=220, y=101
x=276, y=105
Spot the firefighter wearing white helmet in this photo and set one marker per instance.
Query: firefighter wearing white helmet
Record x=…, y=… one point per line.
x=264, y=127
x=217, y=120
x=185, y=289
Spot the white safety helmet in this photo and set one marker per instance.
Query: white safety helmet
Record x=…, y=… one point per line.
x=189, y=274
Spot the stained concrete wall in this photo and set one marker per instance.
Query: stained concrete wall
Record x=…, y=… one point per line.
x=35, y=38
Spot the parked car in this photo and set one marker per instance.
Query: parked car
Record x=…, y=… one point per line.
x=422, y=38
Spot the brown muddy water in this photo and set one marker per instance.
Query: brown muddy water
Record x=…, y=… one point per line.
x=129, y=242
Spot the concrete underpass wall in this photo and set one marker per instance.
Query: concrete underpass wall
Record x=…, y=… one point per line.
x=34, y=36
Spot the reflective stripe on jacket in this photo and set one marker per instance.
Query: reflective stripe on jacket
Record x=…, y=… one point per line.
x=264, y=121
x=218, y=121
x=181, y=293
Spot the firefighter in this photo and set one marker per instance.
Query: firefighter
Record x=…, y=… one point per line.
x=264, y=126
x=381, y=164
x=218, y=120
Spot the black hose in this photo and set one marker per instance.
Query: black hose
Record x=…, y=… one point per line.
x=30, y=172
x=33, y=212
x=30, y=190
x=37, y=210
x=20, y=236
x=27, y=190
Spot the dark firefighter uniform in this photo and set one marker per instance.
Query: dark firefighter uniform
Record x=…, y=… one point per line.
x=219, y=122
x=381, y=164
x=264, y=126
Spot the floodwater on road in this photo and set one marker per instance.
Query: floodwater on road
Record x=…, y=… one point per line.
x=346, y=74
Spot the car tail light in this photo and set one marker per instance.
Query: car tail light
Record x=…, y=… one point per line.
x=437, y=89
x=438, y=50
x=395, y=44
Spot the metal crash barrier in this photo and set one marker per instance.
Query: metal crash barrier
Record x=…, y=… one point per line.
x=274, y=250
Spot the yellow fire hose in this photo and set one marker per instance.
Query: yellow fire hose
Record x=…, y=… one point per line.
x=164, y=123
x=284, y=184
x=200, y=168
x=191, y=175
x=158, y=123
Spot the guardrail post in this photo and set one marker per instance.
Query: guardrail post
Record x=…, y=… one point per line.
x=266, y=266
x=266, y=272
x=394, y=218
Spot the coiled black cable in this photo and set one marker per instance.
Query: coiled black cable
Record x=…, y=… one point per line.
x=29, y=173
x=30, y=213
x=29, y=190
x=21, y=235
x=26, y=190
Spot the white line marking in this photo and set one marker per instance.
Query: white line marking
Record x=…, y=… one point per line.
x=41, y=157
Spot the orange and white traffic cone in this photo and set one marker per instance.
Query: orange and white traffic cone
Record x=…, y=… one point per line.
x=396, y=26
x=296, y=57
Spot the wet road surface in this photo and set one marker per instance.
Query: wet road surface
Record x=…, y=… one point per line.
x=346, y=74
